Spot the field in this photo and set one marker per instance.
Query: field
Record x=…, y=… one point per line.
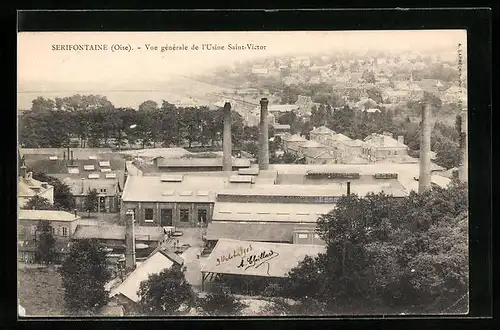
x=40, y=291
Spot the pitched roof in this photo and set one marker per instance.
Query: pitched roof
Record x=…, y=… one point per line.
x=319, y=153
x=258, y=258
x=269, y=212
x=294, y=138
x=48, y=215
x=62, y=166
x=249, y=231
x=153, y=265
x=312, y=144
x=142, y=233
x=79, y=187
x=31, y=187
x=202, y=162
x=322, y=130
x=339, y=137
x=192, y=188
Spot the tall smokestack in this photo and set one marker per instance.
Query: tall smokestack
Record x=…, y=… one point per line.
x=264, y=136
x=464, y=166
x=227, y=165
x=129, y=240
x=424, y=181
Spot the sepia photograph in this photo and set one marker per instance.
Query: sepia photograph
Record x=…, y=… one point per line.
x=243, y=173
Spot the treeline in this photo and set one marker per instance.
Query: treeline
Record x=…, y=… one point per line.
x=93, y=121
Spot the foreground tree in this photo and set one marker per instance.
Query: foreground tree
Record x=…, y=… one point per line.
x=220, y=302
x=383, y=252
x=91, y=201
x=45, y=243
x=166, y=293
x=63, y=198
x=84, y=274
x=38, y=203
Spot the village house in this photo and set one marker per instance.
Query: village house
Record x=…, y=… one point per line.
x=102, y=172
x=321, y=134
x=27, y=188
x=379, y=146
x=63, y=226
x=292, y=143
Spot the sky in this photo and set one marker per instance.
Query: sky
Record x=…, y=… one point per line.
x=40, y=68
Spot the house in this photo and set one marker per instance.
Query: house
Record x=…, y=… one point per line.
x=63, y=226
x=126, y=294
x=105, y=174
x=319, y=156
x=292, y=143
x=63, y=223
x=308, y=146
x=320, y=134
x=113, y=237
x=179, y=200
x=378, y=146
x=27, y=188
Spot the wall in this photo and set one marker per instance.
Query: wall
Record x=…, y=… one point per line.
x=175, y=207
x=25, y=229
x=111, y=204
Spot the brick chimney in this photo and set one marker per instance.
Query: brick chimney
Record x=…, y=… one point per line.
x=424, y=181
x=227, y=165
x=129, y=240
x=264, y=135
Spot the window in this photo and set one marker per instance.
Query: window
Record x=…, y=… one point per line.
x=303, y=236
x=148, y=215
x=58, y=230
x=184, y=215
x=202, y=216
x=65, y=231
x=104, y=190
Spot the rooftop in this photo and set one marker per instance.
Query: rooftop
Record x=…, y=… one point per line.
x=269, y=212
x=201, y=162
x=142, y=233
x=201, y=189
x=153, y=265
x=31, y=187
x=37, y=215
x=252, y=231
x=276, y=259
x=322, y=130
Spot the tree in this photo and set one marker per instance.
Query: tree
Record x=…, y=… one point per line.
x=91, y=203
x=43, y=104
x=166, y=293
x=45, y=243
x=386, y=251
x=84, y=274
x=63, y=198
x=38, y=203
x=148, y=106
x=220, y=302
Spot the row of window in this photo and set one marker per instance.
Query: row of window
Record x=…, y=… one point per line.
x=166, y=215
x=55, y=231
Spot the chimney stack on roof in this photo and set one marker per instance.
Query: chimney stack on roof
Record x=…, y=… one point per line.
x=129, y=240
x=71, y=157
x=401, y=139
x=264, y=135
x=348, y=188
x=227, y=165
x=64, y=155
x=424, y=181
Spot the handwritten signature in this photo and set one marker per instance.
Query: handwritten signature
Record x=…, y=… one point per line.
x=257, y=260
x=238, y=252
